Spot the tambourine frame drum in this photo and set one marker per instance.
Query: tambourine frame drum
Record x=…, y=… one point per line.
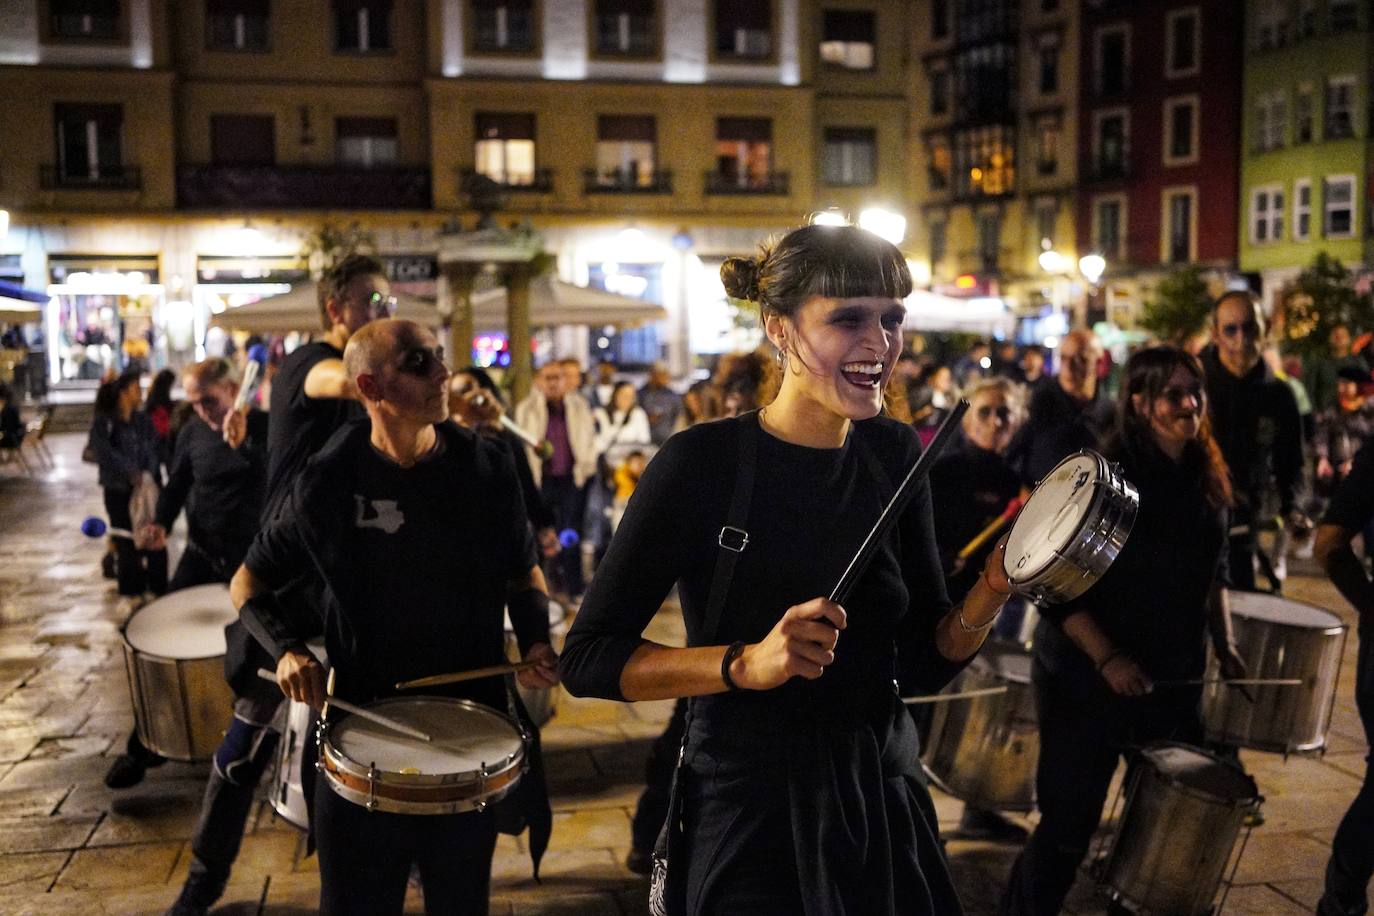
x=174, y=654
x=446, y=720
x=1064, y=540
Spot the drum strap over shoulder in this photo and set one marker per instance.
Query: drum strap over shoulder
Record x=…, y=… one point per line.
x=733, y=537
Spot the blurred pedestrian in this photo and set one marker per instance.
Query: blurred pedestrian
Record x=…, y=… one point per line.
x=1067, y=416
x=660, y=402
x=598, y=391
x=1343, y=429
x=161, y=407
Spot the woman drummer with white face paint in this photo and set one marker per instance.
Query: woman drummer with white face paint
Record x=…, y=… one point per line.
x=1097, y=656
x=799, y=789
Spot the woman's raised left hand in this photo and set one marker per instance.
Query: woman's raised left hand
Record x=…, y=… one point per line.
x=995, y=571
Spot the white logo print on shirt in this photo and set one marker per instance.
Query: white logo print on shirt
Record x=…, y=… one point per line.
x=383, y=514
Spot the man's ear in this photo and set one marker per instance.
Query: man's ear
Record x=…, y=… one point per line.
x=333, y=307
x=368, y=387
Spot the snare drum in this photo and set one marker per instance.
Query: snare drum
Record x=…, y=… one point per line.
x=1071, y=529
x=1184, y=810
x=476, y=758
x=174, y=653
x=1277, y=638
x=983, y=750
x=540, y=702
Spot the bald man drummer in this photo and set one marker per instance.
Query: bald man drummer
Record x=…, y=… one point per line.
x=418, y=529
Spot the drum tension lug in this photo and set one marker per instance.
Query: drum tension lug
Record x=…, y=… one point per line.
x=371, y=786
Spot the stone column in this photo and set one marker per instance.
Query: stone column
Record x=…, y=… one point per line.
x=517, y=277
x=460, y=277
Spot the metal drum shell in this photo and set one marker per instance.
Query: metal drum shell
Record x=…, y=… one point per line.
x=1100, y=535
x=540, y=702
x=984, y=750
x=288, y=796
x=1174, y=842
x=1283, y=719
x=420, y=793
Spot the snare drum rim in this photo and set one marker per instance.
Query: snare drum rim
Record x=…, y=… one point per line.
x=143, y=653
x=1192, y=791
x=1048, y=566
x=336, y=758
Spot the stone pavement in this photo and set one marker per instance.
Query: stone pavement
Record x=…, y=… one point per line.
x=69, y=845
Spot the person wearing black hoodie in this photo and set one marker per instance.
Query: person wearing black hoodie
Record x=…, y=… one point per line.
x=1256, y=422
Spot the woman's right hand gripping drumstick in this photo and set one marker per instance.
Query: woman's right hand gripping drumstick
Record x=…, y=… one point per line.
x=301, y=677
x=801, y=644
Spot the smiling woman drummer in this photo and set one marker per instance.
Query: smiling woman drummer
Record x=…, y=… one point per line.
x=798, y=789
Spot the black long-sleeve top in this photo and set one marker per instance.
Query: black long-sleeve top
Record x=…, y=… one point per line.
x=221, y=488
x=124, y=449
x=1256, y=422
x=971, y=487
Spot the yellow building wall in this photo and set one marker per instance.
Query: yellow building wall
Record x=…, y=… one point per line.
x=887, y=118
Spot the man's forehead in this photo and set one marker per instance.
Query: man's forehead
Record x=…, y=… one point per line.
x=369, y=283
x=1237, y=307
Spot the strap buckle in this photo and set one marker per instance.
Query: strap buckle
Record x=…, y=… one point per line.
x=733, y=539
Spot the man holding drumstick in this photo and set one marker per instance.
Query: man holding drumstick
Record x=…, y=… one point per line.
x=418, y=530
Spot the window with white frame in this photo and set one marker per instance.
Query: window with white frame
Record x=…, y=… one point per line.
x=1339, y=117
x=1338, y=201
x=362, y=25
x=1302, y=209
x=1304, y=114
x=1180, y=130
x=1179, y=223
x=1184, y=38
x=1112, y=59
x=1266, y=214
x=365, y=143
x=1109, y=224
x=503, y=25
x=1047, y=131
x=1047, y=65
x=505, y=147
x=1271, y=24
x=1111, y=135
x=848, y=39
x=850, y=156
x=1271, y=117
x=1046, y=215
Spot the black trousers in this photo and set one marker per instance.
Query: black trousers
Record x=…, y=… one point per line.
x=1084, y=731
x=137, y=571
x=365, y=858
x=1352, y=851
x=566, y=501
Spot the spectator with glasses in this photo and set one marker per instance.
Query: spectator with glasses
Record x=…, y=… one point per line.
x=1257, y=425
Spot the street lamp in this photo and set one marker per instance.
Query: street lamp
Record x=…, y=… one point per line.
x=1092, y=266
x=1052, y=262
x=884, y=223
x=831, y=216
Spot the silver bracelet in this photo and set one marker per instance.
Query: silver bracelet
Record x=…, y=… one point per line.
x=978, y=629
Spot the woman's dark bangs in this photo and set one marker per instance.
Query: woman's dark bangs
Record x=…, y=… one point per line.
x=860, y=271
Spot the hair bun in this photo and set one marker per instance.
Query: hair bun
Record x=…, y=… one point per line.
x=741, y=278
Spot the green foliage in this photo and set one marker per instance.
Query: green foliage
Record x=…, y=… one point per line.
x=1181, y=306
x=1323, y=296
x=331, y=242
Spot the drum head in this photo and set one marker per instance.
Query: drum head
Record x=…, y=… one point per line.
x=1273, y=609
x=1006, y=661
x=188, y=624
x=1052, y=516
x=1196, y=769
x=465, y=737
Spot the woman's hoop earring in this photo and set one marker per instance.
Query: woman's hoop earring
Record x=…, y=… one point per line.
x=781, y=357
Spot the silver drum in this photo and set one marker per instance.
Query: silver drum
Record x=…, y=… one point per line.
x=540, y=702
x=1071, y=529
x=1282, y=639
x=288, y=794
x=1184, y=810
x=983, y=750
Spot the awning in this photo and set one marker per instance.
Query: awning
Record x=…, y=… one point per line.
x=19, y=305
x=927, y=311
x=554, y=302
x=299, y=310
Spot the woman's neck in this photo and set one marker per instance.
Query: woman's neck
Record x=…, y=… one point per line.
x=800, y=420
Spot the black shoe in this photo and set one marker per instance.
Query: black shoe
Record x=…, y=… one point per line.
x=199, y=893
x=107, y=567
x=984, y=824
x=640, y=862
x=128, y=769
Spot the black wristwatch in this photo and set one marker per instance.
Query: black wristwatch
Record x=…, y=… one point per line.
x=731, y=653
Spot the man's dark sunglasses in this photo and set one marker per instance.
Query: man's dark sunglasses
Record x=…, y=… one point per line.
x=1003, y=413
x=1251, y=329
x=421, y=360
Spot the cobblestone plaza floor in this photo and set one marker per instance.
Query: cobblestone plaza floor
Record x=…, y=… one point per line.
x=70, y=845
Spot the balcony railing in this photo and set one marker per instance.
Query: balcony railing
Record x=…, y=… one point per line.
x=302, y=187
x=540, y=182
x=108, y=178
x=721, y=183
x=660, y=181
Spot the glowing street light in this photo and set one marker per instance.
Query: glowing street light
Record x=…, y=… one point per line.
x=831, y=216
x=1092, y=266
x=1053, y=262
x=884, y=223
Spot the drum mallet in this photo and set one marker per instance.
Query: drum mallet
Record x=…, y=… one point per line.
x=543, y=449
x=951, y=697
x=94, y=527
x=996, y=525
x=472, y=675
x=257, y=358
x=360, y=711
x=1234, y=682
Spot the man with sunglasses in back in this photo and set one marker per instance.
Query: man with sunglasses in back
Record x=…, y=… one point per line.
x=1256, y=422
x=418, y=529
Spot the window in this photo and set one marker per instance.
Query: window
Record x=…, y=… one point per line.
x=985, y=82
x=1181, y=54
x=84, y=19
x=1302, y=209
x=1047, y=66
x=88, y=142
x=848, y=39
x=850, y=157
x=237, y=25
x=1343, y=15
x=362, y=25
x=503, y=25
x=1109, y=145
x=505, y=147
x=744, y=152
x=937, y=242
x=626, y=151
x=1266, y=214
x=1046, y=214
x=1180, y=224
x=939, y=92
x=365, y=143
x=984, y=161
x=1047, y=131
x=1180, y=130
x=1307, y=18
x=1340, y=107
x=1271, y=24
x=938, y=163
x=242, y=140
x=989, y=229
x=1113, y=60
x=1304, y=111
x=744, y=28
x=1338, y=199
x=1271, y=117
x=625, y=27
x=1109, y=215
x=939, y=18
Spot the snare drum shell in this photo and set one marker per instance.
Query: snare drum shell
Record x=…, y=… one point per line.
x=180, y=706
x=288, y=794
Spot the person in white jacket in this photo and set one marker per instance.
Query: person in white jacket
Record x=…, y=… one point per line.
x=621, y=428
x=565, y=421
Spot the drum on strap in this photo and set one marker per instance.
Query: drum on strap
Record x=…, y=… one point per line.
x=288, y=792
x=1184, y=810
x=1071, y=529
x=477, y=757
x=1281, y=639
x=174, y=654
x=540, y=702
x=983, y=750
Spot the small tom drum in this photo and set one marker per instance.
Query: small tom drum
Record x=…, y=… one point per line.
x=174, y=654
x=1071, y=529
x=477, y=757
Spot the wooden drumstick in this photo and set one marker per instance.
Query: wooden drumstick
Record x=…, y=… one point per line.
x=996, y=525
x=1234, y=682
x=472, y=675
x=360, y=711
x=950, y=697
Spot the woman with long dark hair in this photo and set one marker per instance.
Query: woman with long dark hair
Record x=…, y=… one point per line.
x=1097, y=658
x=799, y=789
